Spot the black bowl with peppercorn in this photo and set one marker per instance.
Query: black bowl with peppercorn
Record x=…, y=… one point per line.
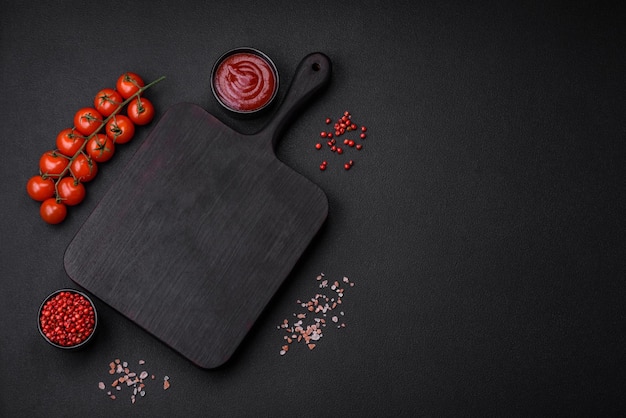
x=67, y=319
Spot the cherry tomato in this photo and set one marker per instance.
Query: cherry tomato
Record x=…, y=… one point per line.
x=71, y=192
x=52, y=163
x=52, y=211
x=87, y=120
x=83, y=168
x=120, y=129
x=100, y=148
x=107, y=101
x=69, y=142
x=40, y=188
x=140, y=111
x=128, y=84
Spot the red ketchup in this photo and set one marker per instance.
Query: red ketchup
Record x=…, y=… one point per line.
x=245, y=82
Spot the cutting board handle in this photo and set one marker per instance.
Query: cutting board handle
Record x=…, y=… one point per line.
x=312, y=74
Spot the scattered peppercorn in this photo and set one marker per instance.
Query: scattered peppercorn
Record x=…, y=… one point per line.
x=342, y=125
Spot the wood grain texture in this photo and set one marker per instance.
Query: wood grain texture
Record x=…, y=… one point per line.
x=202, y=227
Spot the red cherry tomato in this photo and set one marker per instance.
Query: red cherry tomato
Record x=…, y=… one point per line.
x=40, y=188
x=100, y=148
x=52, y=163
x=128, y=84
x=71, y=192
x=52, y=211
x=83, y=168
x=140, y=111
x=87, y=120
x=107, y=101
x=69, y=142
x=120, y=129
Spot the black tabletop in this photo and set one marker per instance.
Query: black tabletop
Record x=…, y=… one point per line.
x=477, y=241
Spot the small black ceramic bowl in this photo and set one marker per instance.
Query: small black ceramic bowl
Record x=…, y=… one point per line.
x=67, y=319
x=244, y=81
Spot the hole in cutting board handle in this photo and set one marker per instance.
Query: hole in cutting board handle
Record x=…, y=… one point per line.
x=312, y=74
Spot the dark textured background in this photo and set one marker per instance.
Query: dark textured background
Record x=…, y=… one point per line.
x=482, y=222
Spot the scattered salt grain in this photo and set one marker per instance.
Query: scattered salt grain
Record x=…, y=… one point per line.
x=134, y=382
x=318, y=307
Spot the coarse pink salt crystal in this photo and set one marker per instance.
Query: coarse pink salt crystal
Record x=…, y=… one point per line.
x=319, y=305
x=101, y=385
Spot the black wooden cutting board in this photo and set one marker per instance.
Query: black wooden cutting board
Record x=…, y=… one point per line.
x=202, y=227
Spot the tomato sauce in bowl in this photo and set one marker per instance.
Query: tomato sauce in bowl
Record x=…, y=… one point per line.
x=244, y=80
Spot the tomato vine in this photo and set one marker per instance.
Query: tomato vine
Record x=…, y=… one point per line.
x=81, y=148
